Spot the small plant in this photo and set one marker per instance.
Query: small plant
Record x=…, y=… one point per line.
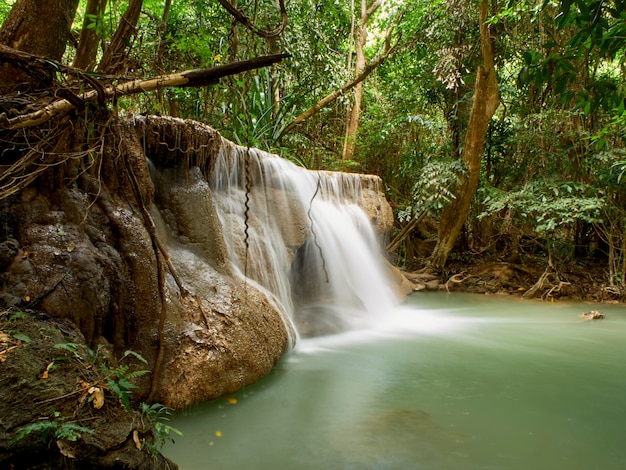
x=76, y=351
x=119, y=379
x=155, y=414
x=57, y=427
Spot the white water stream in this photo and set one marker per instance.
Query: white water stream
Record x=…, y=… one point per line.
x=303, y=237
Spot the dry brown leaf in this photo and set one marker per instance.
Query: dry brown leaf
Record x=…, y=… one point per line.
x=66, y=448
x=98, y=397
x=4, y=338
x=83, y=390
x=136, y=439
x=45, y=374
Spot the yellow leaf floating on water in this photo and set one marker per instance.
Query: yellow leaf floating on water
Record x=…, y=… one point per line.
x=232, y=400
x=218, y=433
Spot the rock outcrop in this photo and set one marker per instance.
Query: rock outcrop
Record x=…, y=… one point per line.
x=135, y=256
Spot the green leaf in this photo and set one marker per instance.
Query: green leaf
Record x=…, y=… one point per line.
x=22, y=337
x=136, y=355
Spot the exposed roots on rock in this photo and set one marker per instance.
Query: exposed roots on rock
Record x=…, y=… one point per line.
x=457, y=279
x=550, y=280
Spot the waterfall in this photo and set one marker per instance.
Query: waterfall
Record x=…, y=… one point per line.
x=302, y=237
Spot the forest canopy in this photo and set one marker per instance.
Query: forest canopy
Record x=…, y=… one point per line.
x=393, y=88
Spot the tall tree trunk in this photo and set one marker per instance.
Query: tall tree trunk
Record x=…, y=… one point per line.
x=90, y=36
x=37, y=27
x=162, y=31
x=352, y=125
x=485, y=103
x=113, y=61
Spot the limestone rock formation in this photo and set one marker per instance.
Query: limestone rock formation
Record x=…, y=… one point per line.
x=131, y=250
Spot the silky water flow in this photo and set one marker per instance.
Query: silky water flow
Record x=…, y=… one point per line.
x=303, y=237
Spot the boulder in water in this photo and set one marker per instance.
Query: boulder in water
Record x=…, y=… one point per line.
x=593, y=315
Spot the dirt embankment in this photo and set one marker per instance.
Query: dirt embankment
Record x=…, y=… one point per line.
x=531, y=279
x=63, y=405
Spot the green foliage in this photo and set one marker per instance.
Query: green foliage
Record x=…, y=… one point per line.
x=119, y=379
x=22, y=337
x=58, y=428
x=76, y=350
x=156, y=414
x=14, y=316
x=546, y=207
x=433, y=189
x=258, y=119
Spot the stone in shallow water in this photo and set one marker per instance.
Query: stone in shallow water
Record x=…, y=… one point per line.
x=593, y=315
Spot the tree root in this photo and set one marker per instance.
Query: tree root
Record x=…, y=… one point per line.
x=550, y=280
x=555, y=289
x=457, y=279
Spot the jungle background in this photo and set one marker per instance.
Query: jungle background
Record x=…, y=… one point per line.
x=387, y=88
x=496, y=126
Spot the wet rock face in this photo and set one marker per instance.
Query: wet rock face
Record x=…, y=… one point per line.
x=228, y=340
x=185, y=199
x=88, y=252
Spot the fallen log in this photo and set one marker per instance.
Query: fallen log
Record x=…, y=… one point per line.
x=188, y=78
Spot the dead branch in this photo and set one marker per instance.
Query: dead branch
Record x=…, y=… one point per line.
x=244, y=20
x=405, y=232
x=189, y=78
x=550, y=272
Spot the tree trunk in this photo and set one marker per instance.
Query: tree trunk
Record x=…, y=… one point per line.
x=162, y=30
x=352, y=125
x=90, y=37
x=485, y=103
x=113, y=61
x=37, y=27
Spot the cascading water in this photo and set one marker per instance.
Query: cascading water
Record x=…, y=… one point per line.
x=301, y=236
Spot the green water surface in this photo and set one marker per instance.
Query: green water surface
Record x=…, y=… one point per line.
x=446, y=382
